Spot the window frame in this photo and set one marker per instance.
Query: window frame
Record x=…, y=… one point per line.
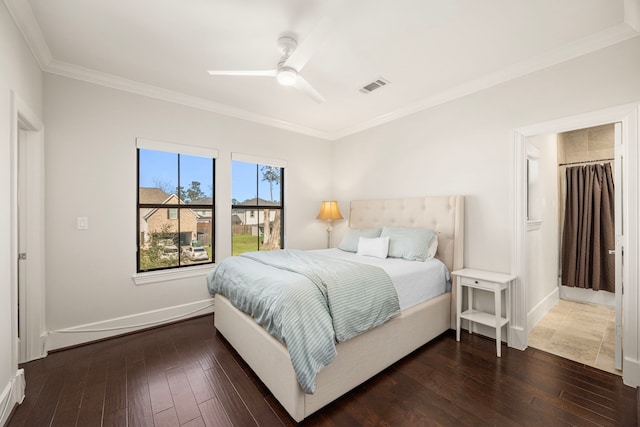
x=180, y=270
x=262, y=161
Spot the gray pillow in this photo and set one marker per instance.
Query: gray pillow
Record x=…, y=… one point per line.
x=350, y=241
x=408, y=243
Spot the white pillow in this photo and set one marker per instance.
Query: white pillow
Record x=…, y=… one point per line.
x=376, y=246
x=350, y=241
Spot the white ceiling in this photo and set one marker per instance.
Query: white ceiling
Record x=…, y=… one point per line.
x=430, y=51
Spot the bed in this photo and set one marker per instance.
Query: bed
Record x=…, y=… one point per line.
x=367, y=354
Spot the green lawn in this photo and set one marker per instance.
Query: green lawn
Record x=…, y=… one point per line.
x=244, y=243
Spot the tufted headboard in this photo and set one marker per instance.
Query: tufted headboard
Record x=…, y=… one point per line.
x=444, y=214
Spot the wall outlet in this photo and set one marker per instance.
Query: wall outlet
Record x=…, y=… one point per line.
x=83, y=223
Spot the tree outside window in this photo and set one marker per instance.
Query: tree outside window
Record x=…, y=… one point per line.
x=175, y=210
x=257, y=209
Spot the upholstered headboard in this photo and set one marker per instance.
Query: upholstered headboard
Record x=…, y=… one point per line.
x=444, y=214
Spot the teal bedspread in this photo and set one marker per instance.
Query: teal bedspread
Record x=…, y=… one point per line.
x=307, y=301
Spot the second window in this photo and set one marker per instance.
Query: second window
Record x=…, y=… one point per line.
x=257, y=214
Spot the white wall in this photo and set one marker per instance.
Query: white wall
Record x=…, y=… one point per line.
x=19, y=73
x=466, y=146
x=542, y=242
x=91, y=171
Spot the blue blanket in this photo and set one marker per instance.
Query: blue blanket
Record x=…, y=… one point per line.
x=307, y=301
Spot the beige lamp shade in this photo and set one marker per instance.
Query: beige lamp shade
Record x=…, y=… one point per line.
x=329, y=211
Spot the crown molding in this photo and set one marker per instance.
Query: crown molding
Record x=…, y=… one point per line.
x=602, y=39
x=108, y=80
x=22, y=14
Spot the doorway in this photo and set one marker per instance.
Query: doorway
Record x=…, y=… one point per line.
x=529, y=307
x=27, y=236
x=580, y=326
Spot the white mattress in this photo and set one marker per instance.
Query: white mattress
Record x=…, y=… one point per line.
x=415, y=281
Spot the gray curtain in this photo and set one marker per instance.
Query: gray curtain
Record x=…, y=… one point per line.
x=589, y=228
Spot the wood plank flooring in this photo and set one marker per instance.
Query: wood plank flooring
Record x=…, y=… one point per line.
x=185, y=374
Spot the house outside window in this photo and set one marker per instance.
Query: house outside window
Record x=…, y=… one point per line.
x=175, y=206
x=257, y=210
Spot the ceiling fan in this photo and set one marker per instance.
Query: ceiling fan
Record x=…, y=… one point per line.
x=294, y=58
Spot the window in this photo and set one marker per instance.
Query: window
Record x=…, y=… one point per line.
x=175, y=206
x=257, y=210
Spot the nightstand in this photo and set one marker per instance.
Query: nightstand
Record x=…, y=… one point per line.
x=486, y=281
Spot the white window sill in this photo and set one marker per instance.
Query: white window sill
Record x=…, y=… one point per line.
x=175, y=274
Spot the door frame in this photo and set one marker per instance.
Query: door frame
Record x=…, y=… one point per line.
x=25, y=121
x=619, y=230
x=629, y=115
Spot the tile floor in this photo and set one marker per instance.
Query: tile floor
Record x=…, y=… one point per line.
x=581, y=332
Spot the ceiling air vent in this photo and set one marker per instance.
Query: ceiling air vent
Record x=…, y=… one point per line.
x=374, y=85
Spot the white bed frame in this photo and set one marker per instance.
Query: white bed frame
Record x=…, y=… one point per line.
x=367, y=354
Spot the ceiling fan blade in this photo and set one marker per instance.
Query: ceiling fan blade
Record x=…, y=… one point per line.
x=309, y=45
x=265, y=73
x=304, y=86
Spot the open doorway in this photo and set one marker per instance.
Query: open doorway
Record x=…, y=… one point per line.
x=581, y=323
x=527, y=306
x=27, y=236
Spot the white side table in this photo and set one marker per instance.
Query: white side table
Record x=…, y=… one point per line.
x=487, y=281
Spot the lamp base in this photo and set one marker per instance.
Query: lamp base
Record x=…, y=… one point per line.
x=329, y=229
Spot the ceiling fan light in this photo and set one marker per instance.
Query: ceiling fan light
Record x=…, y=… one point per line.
x=287, y=76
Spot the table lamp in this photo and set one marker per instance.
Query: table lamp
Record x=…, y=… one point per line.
x=329, y=212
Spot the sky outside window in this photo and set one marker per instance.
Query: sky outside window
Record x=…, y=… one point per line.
x=160, y=170
x=245, y=176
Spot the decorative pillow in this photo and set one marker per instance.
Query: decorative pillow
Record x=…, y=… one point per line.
x=375, y=246
x=350, y=241
x=409, y=243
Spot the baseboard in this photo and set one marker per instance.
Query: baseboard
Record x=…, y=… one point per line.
x=12, y=395
x=542, y=308
x=38, y=351
x=588, y=296
x=518, y=338
x=96, y=331
x=43, y=344
x=631, y=372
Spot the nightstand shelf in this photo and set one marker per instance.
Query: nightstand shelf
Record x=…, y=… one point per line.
x=485, y=281
x=483, y=318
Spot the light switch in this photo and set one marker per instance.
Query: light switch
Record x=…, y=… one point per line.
x=83, y=223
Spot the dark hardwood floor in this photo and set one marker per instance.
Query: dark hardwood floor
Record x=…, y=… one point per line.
x=186, y=374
